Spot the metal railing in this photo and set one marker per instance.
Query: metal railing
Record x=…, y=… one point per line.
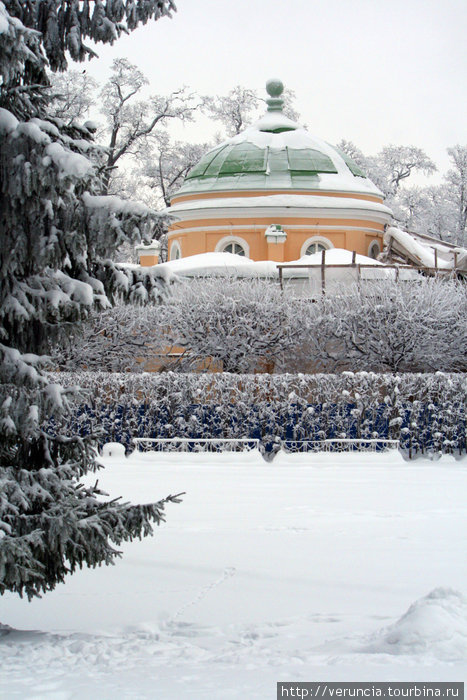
x=195, y=444
x=340, y=445
x=247, y=445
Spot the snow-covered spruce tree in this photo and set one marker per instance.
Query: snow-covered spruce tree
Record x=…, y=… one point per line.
x=55, y=236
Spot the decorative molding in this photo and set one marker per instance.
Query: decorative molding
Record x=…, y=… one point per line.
x=250, y=228
x=295, y=212
x=232, y=194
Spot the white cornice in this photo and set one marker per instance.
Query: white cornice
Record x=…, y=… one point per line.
x=259, y=228
x=201, y=195
x=286, y=206
x=382, y=215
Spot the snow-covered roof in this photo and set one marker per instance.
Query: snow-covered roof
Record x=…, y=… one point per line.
x=229, y=264
x=320, y=205
x=276, y=153
x=335, y=256
x=421, y=251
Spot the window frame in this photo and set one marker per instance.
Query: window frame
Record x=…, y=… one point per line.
x=372, y=244
x=318, y=240
x=175, y=246
x=229, y=240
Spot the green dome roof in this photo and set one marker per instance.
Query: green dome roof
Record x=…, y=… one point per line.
x=276, y=154
x=238, y=158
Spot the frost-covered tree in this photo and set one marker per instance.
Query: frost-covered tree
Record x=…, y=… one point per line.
x=73, y=93
x=56, y=235
x=427, y=210
x=394, y=164
x=235, y=109
x=439, y=210
x=240, y=107
x=165, y=165
x=409, y=205
x=131, y=120
x=436, y=210
x=456, y=180
x=350, y=149
x=134, y=132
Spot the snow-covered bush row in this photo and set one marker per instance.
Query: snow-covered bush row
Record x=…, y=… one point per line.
x=246, y=325
x=425, y=411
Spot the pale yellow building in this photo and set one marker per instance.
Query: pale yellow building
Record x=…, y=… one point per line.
x=275, y=192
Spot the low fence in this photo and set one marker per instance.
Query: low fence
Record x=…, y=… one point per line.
x=218, y=445
x=424, y=412
x=329, y=276
x=341, y=445
x=195, y=445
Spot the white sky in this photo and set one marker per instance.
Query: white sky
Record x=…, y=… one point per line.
x=372, y=71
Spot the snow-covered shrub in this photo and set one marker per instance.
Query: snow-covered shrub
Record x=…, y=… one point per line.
x=392, y=326
x=245, y=325
x=118, y=339
x=241, y=323
x=238, y=324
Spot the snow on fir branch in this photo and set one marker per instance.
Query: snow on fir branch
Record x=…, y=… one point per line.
x=57, y=237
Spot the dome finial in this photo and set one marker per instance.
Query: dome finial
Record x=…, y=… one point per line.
x=274, y=88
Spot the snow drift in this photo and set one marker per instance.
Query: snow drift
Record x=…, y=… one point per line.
x=435, y=624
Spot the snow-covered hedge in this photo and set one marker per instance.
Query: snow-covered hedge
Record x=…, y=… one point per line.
x=248, y=324
x=427, y=412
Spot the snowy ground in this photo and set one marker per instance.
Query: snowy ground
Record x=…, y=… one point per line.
x=330, y=568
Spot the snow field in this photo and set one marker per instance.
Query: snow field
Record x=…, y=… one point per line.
x=343, y=568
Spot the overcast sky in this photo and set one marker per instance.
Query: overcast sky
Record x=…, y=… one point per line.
x=372, y=71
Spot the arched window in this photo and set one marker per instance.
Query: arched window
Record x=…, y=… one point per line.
x=315, y=248
x=315, y=244
x=374, y=249
x=175, y=251
x=233, y=244
x=235, y=248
